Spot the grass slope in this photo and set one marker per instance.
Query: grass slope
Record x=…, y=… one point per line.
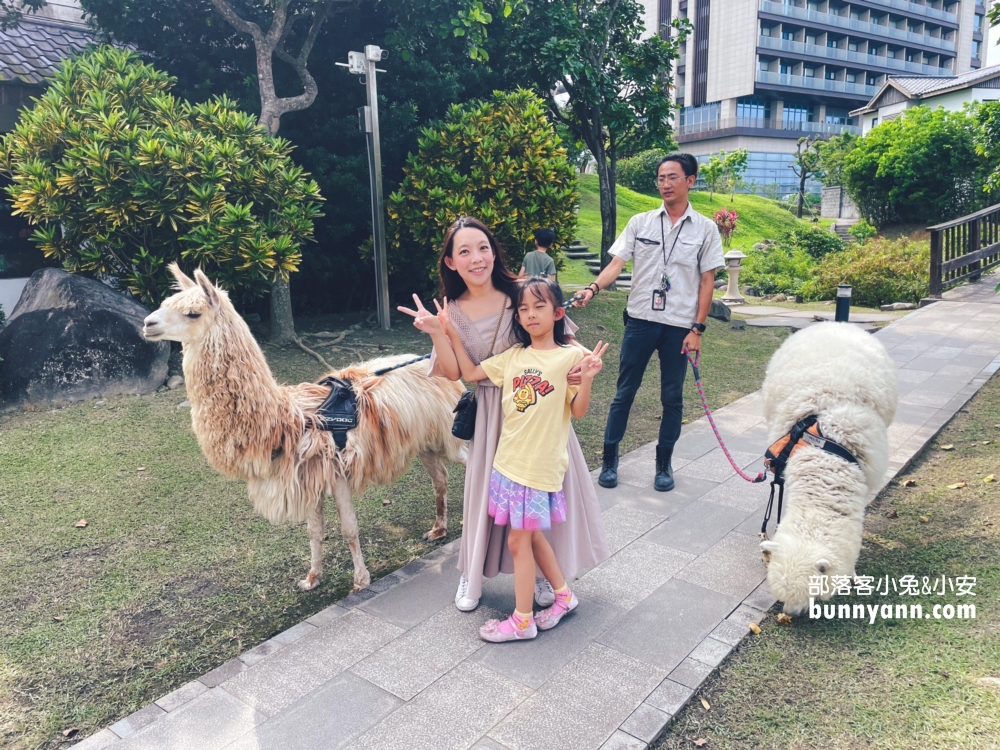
x=844, y=684
x=759, y=219
x=173, y=574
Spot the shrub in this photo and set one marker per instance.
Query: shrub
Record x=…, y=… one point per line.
x=638, y=172
x=815, y=241
x=498, y=160
x=862, y=231
x=122, y=178
x=921, y=167
x=880, y=272
x=777, y=269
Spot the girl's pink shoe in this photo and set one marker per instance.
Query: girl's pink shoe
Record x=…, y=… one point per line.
x=501, y=631
x=549, y=618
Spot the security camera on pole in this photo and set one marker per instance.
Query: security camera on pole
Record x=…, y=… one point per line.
x=363, y=64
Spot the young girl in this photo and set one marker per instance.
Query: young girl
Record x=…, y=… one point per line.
x=531, y=458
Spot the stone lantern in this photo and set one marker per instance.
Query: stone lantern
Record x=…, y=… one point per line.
x=734, y=261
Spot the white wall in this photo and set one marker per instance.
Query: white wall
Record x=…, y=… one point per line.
x=992, y=48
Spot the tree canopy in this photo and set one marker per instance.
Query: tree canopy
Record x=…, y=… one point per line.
x=122, y=178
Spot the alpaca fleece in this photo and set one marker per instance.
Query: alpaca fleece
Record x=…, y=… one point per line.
x=250, y=427
x=846, y=378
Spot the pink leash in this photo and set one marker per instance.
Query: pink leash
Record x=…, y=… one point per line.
x=708, y=413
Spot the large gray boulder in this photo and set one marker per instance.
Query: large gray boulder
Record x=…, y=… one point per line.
x=71, y=338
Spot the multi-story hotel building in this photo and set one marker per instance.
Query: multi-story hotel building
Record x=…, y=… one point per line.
x=760, y=74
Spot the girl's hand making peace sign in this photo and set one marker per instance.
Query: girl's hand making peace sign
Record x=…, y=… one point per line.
x=592, y=363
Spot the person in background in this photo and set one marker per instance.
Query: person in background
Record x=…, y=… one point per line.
x=675, y=252
x=539, y=262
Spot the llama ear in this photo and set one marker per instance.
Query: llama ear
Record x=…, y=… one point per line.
x=769, y=545
x=207, y=287
x=822, y=565
x=183, y=281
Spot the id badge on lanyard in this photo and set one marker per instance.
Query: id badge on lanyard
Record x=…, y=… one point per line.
x=660, y=293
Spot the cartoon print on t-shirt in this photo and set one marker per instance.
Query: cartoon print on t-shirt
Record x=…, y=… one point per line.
x=528, y=388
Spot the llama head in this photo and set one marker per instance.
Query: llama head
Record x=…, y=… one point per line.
x=792, y=561
x=187, y=315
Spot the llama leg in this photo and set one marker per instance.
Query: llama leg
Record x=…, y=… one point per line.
x=316, y=527
x=349, y=528
x=434, y=463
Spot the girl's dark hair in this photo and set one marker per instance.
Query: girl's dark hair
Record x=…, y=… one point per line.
x=452, y=284
x=543, y=289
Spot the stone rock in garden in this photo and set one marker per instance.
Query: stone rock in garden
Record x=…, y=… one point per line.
x=721, y=283
x=719, y=310
x=898, y=306
x=174, y=382
x=71, y=338
x=751, y=291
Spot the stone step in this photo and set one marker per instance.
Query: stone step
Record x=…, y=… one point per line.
x=622, y=276
x=579, y=255
x=578, y=248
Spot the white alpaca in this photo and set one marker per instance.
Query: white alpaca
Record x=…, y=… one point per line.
x=250, y=427
x=845, y=377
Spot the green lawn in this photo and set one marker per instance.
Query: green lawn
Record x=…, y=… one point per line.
x=759, y=219
x=845, y=684
x=173, y=575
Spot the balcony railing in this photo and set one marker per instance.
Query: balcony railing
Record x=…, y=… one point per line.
x=680, y=92
x=726, y=123
x=918, y=9
x=830, y=19
x=860, y=58
x=819, y=84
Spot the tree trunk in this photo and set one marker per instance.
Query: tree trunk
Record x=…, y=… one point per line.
x=609, y=206
x=802, y=191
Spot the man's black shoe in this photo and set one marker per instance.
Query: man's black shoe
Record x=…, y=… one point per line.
x=609, y=466
x=664, y=481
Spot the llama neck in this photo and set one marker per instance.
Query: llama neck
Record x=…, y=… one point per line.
x=235, y=402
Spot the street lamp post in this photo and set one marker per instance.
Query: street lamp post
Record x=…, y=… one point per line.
x=363, y=64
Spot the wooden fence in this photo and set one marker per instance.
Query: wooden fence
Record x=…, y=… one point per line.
x=961, y=249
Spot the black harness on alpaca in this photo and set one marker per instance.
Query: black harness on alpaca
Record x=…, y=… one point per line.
x=339, y=412
x=805, y=432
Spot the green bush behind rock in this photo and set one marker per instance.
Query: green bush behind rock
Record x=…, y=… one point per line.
x=880, y=272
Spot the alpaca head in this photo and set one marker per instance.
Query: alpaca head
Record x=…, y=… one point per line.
x=792, y=561
x=188, y=315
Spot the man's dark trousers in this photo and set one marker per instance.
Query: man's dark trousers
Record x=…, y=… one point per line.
x=642, y=338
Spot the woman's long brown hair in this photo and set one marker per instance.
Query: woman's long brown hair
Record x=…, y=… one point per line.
x=453, y=285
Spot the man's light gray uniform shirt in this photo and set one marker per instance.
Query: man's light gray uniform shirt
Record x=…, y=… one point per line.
x=698, y=248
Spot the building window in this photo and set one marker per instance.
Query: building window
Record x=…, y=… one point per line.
x=785, y=69
x=874, y=121
x=798, y=113
x=763, y=65
x=855, y=16
x=706, y=113
x=889, y=53
x=788, y=35
x=831, y=42
x=977, y=22
x=852, y=46
x=765, y=31
x=810, y=39
x=976, y=48
x=830, y=75
x=753, y=109
x=872, y=80
x=836, y=116
x=812, y=6
x=809, y=72
x=850, y=78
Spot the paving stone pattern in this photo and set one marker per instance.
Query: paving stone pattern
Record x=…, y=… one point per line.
x=397, y=666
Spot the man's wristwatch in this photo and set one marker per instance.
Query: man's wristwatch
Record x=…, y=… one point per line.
x=698, y=328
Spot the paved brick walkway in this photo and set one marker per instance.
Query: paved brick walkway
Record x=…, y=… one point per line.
x=398, y=667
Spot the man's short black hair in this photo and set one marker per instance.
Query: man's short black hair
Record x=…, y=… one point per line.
x=688, y=163
x=545, y=237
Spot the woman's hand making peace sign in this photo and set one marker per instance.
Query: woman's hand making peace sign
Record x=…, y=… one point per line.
x=423, y=319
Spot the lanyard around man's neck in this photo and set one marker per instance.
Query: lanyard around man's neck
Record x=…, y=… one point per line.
x=663, y=244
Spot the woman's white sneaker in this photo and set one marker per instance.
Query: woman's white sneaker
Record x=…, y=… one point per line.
x=544, y=595
x=462, y=600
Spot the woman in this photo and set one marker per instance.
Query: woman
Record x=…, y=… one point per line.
x=476, y=282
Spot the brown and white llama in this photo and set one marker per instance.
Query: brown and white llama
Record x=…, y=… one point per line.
x=250, y=427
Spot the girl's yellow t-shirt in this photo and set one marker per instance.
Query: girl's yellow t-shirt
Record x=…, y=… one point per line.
x=536, y=406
